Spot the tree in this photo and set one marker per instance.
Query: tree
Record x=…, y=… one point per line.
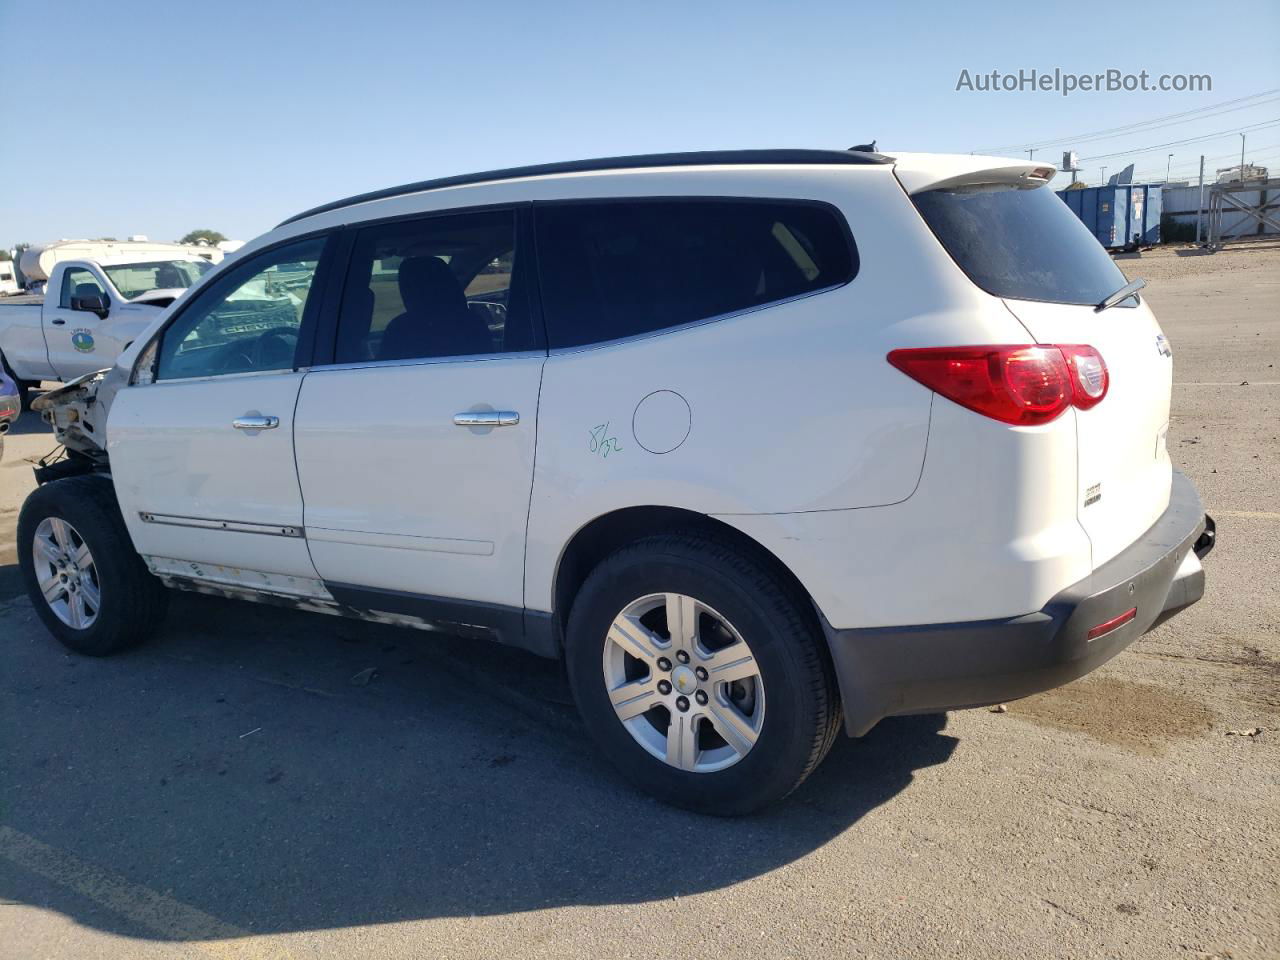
x=1078, y=185
x=211, y=237
x=4, y=254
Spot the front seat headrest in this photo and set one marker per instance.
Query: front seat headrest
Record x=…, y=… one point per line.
x=427, y=285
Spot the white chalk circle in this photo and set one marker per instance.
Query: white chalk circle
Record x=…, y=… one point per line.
x=662, y=421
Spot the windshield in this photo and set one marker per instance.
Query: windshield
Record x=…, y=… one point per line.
x=1021, y=244
x=135, y=279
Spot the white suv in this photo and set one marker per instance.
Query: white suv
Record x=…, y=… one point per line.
x=761, y=443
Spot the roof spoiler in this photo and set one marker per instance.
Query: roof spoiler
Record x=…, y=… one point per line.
x=918, y=172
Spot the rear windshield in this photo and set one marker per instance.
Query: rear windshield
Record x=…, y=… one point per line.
x=1021, y=244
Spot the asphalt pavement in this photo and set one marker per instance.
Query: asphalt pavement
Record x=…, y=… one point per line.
x=264, y=783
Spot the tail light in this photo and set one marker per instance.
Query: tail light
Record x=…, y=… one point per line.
x=1020, y=385
x=1089, y=375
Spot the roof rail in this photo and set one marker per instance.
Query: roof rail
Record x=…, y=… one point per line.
x=695, y=159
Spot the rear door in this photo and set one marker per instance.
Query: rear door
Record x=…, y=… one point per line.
x=202, y=458
x=22, y=340
x=415, y=444
x=1026, y=247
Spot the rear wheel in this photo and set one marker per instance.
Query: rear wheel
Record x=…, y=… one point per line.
x=701, y=674
x=87, y=583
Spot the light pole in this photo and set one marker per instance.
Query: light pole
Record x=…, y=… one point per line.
x=1167, y=163
x=1242, y=159
x=1200, y=207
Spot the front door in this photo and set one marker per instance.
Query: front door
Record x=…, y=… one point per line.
x=202, y=457
x=415, y=448
x=79, y=341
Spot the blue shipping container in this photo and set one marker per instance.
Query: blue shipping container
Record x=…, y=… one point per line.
x=1120, y=215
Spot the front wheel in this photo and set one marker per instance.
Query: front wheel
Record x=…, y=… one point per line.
x=87, y=583
x=701, y=674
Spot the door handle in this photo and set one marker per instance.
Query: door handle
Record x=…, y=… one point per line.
x=57, y=323
x=255, y=423
x=487, y=418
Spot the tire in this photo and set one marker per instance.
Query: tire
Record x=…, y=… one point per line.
x=130, y=601
x=737, y=599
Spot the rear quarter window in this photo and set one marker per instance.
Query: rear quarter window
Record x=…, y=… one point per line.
x=614, y=269
x=1021, y=244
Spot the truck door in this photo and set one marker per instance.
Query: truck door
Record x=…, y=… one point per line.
x=77, y=342
x=202, y=458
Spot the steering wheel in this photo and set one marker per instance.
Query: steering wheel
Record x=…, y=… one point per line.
x=272, y=349
x=275, y=349
x=235, y=358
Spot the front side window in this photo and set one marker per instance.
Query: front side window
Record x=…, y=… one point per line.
x=443, y=286
x=78, y=282
x=1021, y=244
x=248, y=321
x=135, y=279
x=612, y=269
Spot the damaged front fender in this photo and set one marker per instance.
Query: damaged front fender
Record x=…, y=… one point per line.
x=78, y=419
x=77, y=412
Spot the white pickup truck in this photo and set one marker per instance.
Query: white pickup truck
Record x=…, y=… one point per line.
x=91, y=312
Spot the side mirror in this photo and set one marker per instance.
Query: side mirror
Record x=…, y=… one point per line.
x=95, y=303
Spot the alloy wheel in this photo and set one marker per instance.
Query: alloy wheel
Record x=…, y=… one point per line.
x=684, y=682
x=66, y=573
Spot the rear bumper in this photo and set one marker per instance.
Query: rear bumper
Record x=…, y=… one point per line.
x=888, y=671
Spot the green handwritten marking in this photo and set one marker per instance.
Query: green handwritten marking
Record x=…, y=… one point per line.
x=601, y=443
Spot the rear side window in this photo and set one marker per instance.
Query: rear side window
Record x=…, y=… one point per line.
x=614, y=269
x=442, y=286
x=1021, y=244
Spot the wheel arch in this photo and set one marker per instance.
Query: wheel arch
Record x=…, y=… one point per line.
x=601, y=536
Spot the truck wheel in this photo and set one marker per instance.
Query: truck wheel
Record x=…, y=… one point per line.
x=701, y=674
x=84, y=578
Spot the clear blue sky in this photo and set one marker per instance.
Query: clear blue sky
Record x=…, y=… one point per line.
x=158, y=118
